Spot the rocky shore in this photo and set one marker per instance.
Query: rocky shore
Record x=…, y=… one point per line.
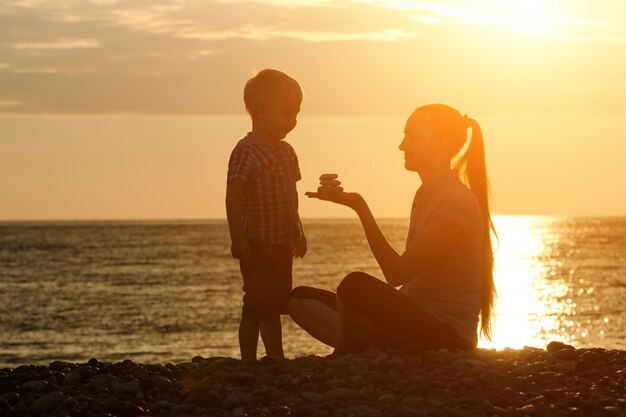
x=558, y=381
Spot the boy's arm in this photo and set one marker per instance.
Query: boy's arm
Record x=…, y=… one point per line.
x=240, y=248
x=300, y=246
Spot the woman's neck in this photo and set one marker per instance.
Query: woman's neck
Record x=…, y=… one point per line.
x=434, y=174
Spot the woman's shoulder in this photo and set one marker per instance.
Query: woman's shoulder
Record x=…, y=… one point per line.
x=457, y=198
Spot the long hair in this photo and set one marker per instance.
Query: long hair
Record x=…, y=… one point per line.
x=468, y=159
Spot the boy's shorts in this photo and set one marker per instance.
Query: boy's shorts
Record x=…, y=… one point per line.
x=267, y=280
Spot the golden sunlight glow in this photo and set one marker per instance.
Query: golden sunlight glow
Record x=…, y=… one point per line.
x=526, y=16
x=530, y=16
x=529, y=306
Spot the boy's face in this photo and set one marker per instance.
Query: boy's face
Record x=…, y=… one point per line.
x=277, y=115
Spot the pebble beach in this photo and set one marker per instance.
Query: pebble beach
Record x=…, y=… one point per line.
x=557, y=381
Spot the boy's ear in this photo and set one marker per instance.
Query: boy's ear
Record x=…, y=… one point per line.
x=257, y=109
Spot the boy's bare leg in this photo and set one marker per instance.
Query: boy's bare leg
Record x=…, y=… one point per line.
x=272, y=335
x=248, y=338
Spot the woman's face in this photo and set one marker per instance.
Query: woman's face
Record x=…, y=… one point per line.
x=420, y=145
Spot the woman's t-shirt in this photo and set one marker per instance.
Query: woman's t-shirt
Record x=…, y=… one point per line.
x=450, y=290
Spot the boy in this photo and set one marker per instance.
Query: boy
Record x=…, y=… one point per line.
x=262, y=209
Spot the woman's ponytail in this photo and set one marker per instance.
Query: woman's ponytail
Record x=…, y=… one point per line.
x=473, y=171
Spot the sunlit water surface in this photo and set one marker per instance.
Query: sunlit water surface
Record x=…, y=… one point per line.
x=168, y=291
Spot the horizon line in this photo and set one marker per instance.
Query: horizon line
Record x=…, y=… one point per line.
x=313, y=218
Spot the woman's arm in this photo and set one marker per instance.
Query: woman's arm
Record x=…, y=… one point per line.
x=425, y=249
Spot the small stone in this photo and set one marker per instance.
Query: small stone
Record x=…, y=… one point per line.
x=566, y=355
x=312, y=397
x=161, y=382
x=243, y=376
x=132, y=410
x=103, y=379
x=85, y=371
x=278, y=393
x=387, y=398
x=553, y=394
x=231, y=401
x=5, y=407
x=565, y=366
x=164, y=404
x=527, y=410
x=412, y=402
x=6, y=386
x=500, y=412
x=468, y=381
x=338, y=393
x=37, y=386
x=29, y=375
x=379, y=359
x=293, y=401
x=57, y=365
x=475, y=363
x=131, y=387
x=361, y=410
x=584, y=366
x=611, y=410
x=72, y=378
x=536, y=400
x=10, y=397
x=181, y=411
x=556, y=346
x=395, y=363
x=141, y=373
x=46, y=403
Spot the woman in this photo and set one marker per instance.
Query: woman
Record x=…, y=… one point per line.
x=445, y=274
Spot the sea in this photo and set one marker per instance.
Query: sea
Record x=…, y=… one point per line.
x=166, y=291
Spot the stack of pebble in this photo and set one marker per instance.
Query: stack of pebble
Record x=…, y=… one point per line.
x=329, y=184
x=559, y=381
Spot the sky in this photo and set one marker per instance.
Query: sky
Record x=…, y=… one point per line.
x=114, y=109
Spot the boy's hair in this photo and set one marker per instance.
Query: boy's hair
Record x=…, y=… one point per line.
x=269, y=82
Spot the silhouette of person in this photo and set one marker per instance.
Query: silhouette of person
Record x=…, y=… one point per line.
x=445, y=273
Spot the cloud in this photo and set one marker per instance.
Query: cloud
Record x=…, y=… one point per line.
x=288, y=3
x=58, y=44
x=192, y=56
x=545, y=26
x=267, y=33
x=10, y=103
x=583, y=39
x=53, y=70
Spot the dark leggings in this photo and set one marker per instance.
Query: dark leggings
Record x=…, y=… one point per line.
x=398, y=321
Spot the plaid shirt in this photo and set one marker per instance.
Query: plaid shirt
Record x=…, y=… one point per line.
x=269, y=173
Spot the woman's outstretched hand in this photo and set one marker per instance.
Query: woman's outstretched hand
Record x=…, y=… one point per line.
x=352, y=200
x=330, y=190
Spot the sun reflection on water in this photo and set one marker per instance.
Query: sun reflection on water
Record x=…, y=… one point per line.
x=532, y=297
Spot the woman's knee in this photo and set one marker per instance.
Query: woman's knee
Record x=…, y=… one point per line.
x=352, y=283
x=355, y=291
x=311, y=293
